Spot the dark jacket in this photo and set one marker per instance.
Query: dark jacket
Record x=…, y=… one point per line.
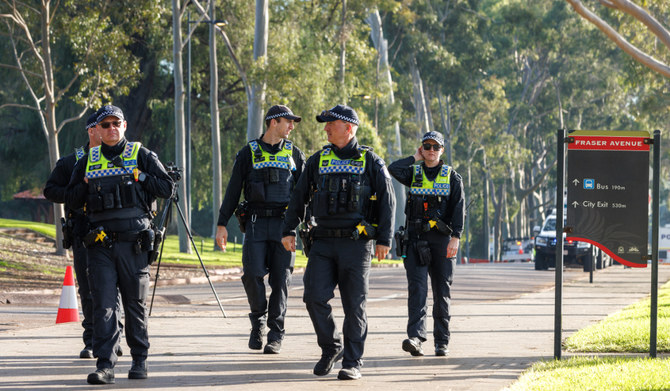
x=377, y=176
x=55, y=190
x=455, y=214
x=241, y=170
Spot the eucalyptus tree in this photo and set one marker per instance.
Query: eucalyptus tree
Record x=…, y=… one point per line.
x=68, y=52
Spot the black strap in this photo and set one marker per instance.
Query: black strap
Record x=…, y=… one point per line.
x=332, y=233
x=277, y=212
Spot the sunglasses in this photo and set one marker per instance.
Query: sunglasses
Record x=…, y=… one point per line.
x=106, y=125
x=435, y=147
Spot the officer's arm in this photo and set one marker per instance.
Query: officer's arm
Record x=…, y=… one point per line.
x=295, y=213
x=386, y=200
x=75, y=193
x=54, y=190
x=299, y=159
x=241, y=169
x=157, y=183
x=401, y=170
x=455, y=216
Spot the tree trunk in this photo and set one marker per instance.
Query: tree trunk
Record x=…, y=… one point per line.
x=214, y=114
x=343, y=52
x=395, y=152
x=179, y=125
x=255, y=104
x=419, y=97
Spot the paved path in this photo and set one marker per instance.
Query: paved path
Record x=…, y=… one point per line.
x=495, y=337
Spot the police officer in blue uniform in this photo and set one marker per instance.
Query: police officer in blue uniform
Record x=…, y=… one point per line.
x=431, y=235
x=76, y=226
x=341, y=183
x=117, y=183
x=265, y=170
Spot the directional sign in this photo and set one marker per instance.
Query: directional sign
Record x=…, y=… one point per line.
x=608, y=192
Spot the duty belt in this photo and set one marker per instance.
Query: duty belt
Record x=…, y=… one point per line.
x=125, y=236
x=277, y=212
x=332, y=233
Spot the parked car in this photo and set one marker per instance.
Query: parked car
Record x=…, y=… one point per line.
x=574, y=252
x=517, y=249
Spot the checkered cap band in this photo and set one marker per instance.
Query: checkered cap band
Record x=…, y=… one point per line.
x=342, y=117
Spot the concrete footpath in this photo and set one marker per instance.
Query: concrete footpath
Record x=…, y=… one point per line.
x=493, y=341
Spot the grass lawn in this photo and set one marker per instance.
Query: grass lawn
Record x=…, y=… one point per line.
x=626, y=331
x=596, y=373
x=45, y=229
x=212, y=259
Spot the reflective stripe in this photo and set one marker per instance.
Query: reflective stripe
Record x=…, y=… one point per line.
x=263, y=159
x=105, y=168
x=329, y=163
x=439, y=187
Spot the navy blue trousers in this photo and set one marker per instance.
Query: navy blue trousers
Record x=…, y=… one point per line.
x=112, y=271
x=344, y=263
x=263, y=254
x=441, y=271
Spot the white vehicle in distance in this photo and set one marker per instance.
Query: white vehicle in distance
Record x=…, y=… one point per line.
x=517, y=250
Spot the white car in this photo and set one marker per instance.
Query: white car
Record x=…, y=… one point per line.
x=517, y=249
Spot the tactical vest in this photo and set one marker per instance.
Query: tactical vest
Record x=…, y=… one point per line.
x=271, y=180
x=343, y=192
x=428, y=199
x=113, y=192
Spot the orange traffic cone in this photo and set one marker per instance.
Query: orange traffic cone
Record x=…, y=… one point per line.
x=67, y=309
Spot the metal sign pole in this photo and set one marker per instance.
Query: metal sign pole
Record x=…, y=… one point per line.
x=654, y=243
x=560, y=177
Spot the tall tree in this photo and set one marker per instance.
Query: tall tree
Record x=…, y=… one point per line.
x=255, y=103
x=76, y=65
x=642, y=15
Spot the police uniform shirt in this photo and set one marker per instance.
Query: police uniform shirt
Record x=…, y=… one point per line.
x=401, y=170
x=241, y=170
x=379, y=179
x=158, y=183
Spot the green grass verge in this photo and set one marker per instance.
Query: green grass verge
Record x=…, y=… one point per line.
x=627, y=330
x=45, y=229
x=216, y=259
x=596, y=373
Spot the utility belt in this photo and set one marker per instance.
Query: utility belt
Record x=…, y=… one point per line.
x=275, y=212
x=422, y=225
x=244, y=212
x=363, y=230
x=144, y=240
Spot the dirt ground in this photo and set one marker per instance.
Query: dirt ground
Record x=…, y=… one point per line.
x=29, y=263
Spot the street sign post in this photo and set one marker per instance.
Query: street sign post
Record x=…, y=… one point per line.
x=607, y=205
x=608, y=192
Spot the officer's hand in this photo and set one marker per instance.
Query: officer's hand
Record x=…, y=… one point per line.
x=289, y=243
x=381, y=252
x=452, y=247
x=418, y=156
x=221, y=236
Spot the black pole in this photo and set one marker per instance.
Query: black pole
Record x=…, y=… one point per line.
x=560, y=178
x=654, y=243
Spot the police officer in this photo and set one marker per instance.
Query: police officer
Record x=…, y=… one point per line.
x=118, y=183
x=341, y=183
x=76, y=226
x=434, y=224
x=266, y=170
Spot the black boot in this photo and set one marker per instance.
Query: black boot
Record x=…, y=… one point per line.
x=138, y=370
x=101, y=376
